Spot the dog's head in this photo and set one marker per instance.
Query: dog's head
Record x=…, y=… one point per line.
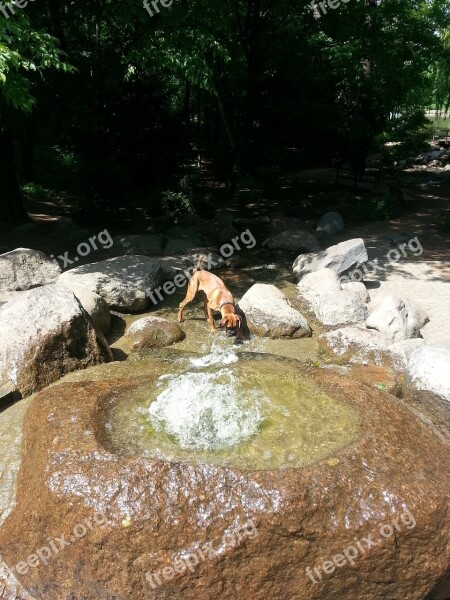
x=232, y=323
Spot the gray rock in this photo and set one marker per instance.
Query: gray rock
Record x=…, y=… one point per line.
x=428, y=369
x=340, y=258
x=356, y=345
x=279, y=223
x=64, y=226
x=22, y=269
x=293, y=240
x=95, y=306
x=318, y=284
x=179, y=246
x=401, y=351
x=146, y=245
x=331, y=223
x=154, y=332
x=44, y=334
x=343, y=308
x=256, y=221
x=124, y=282
x=359, y=288
x=269, y=313
x=397, y=319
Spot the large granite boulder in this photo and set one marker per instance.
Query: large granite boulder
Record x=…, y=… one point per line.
x=429, y=369
x=269, y=314
x=398, y=319
x=331, y=223
x=330, y=304
x=340, y=258
x=371, y=521
x=147, y=245
x=23, y=269
x=154, y=332
x=44, y=334
x=124, y=282
x=293, y=240
x=95, y=306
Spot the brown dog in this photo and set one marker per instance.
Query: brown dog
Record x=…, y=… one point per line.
x=216, y=297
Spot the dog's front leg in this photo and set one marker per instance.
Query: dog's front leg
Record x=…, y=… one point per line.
x=211, y=320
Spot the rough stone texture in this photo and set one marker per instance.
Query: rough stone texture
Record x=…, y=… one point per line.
x=154, y=332
x=23, y=269
x=124, y=282
x=401, y=351
x=355, y=345
x=147, y=245
x=340, y=258
x=95, y=306
x=269, y=314
x=359, y=288
x=45, y=334
x=281, y=223
x=343, y=308
x=429, y=369
x=317, y=284
x=293, y=241
x=397, y=319
x=302, y=516
x=331, y=223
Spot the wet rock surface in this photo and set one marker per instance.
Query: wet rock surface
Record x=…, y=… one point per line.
x=23, y=269
x=157, y=510
x=154, y=332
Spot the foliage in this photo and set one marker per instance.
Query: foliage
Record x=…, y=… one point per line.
x=378, y=207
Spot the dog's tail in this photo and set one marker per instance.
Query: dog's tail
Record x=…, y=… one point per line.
x=198, y=266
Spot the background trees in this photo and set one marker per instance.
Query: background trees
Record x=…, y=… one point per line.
x=254, y=86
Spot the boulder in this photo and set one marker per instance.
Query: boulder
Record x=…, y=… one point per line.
x=331, y=223
x=23, y=269
x=64, y=226
x=180, y=246
x=228, y=233
x=402, y=351
x=181, y=233
x=262, y=220
x=370, y=521
x=154, y=332
x=124, y=282
x=279, y=223
x=359, y=288
x=293, y=240
x=95, y=306
x=343, y=308
x=147, y=245
x=340, y=258
x=428, y=369
x=79, y=235
x=355, y=345
x=44, y=334
x=269, y=314
x=317, y=284
x=397, y=319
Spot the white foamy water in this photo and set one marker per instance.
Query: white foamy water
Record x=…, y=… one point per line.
x=217, y=356
x=207, y=411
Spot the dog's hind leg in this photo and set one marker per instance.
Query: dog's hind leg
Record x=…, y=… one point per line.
x=190, y=295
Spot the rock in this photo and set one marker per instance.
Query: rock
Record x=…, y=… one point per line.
x=27, y=228
x=317, y=284
x=279, y=223
x=22, y=269
x=428, y=369
x=343, y=308
x=331, y=223
x=146, y=245
x=340, y=258
x=330, y=304
x=359, y=288
x=159, y=224
x=95, y=306
x=228, y=233
x=64, y=226
x=388, y=486
x=401, y=351
x=355, y=345
x=45, y=333
x=190, y=235
x=225, y=219
x=397, y=319
x=181, y=246
x=293, y=241
x=124, y=282
x=154, y=332
x=269, y=314
x=79, y=235
x=263, y=220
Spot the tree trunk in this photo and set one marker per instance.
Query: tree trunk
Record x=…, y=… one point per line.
x=11, y=203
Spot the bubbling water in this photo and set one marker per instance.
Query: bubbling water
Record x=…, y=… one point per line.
x=207, y=411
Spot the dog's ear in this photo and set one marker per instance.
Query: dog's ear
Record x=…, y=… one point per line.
x=239, y=320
